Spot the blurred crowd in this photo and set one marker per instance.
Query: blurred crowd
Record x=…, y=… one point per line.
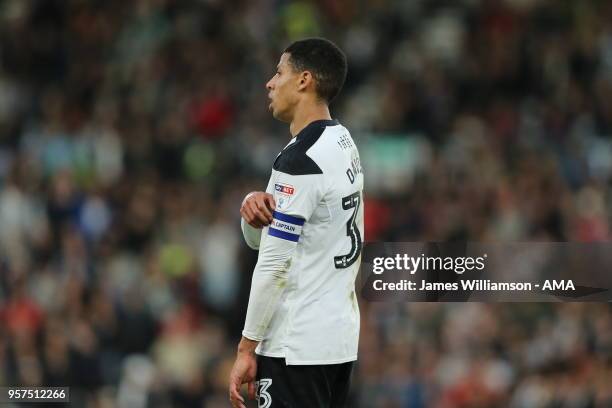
x=130, y=131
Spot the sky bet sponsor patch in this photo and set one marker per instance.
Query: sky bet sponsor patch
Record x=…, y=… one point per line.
x=286, y=226
x=282, y=194
x=284, y=189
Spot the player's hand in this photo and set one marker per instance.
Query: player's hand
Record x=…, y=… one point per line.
x=257, y=208
x=244, y=371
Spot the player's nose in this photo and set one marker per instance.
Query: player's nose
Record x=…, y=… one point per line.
x=269, y=85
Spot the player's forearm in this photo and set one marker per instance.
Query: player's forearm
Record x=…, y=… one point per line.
x=247, y=346
x=252, y=236
x=266, y=289
x=267, y=286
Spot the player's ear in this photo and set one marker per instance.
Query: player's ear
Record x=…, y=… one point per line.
x=304, y=80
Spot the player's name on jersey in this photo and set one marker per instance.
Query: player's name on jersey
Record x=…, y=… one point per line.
x=473, y=285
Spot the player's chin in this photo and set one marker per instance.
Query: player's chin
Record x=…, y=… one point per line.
x=280, y=115
x=276, y=114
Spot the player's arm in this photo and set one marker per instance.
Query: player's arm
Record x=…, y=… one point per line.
x=270, y=275
x=268, y=283
x=296, y=197
x=256, y=212
x=252, y=236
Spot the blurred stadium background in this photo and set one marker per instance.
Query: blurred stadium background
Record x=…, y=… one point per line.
x=131, y=130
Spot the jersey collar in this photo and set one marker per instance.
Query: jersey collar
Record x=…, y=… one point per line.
x=315, y=124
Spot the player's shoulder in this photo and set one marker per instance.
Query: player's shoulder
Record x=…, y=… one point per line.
x=299, y=158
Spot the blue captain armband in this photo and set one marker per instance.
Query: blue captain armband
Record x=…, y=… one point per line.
x=285, y=226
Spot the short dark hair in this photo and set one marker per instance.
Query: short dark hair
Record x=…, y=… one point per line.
x=324, y=60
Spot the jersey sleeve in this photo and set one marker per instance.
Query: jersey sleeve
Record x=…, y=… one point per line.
x=252, y=236
x=296, y=198
x=267, y=285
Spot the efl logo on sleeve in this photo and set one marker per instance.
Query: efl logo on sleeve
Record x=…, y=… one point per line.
x=282, y=194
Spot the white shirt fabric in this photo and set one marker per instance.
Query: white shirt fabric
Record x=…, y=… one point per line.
x=303, y=305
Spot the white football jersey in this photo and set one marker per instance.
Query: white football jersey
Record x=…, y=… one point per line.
x=317, y=185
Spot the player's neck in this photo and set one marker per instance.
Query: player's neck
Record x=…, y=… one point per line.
x=303, y=117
